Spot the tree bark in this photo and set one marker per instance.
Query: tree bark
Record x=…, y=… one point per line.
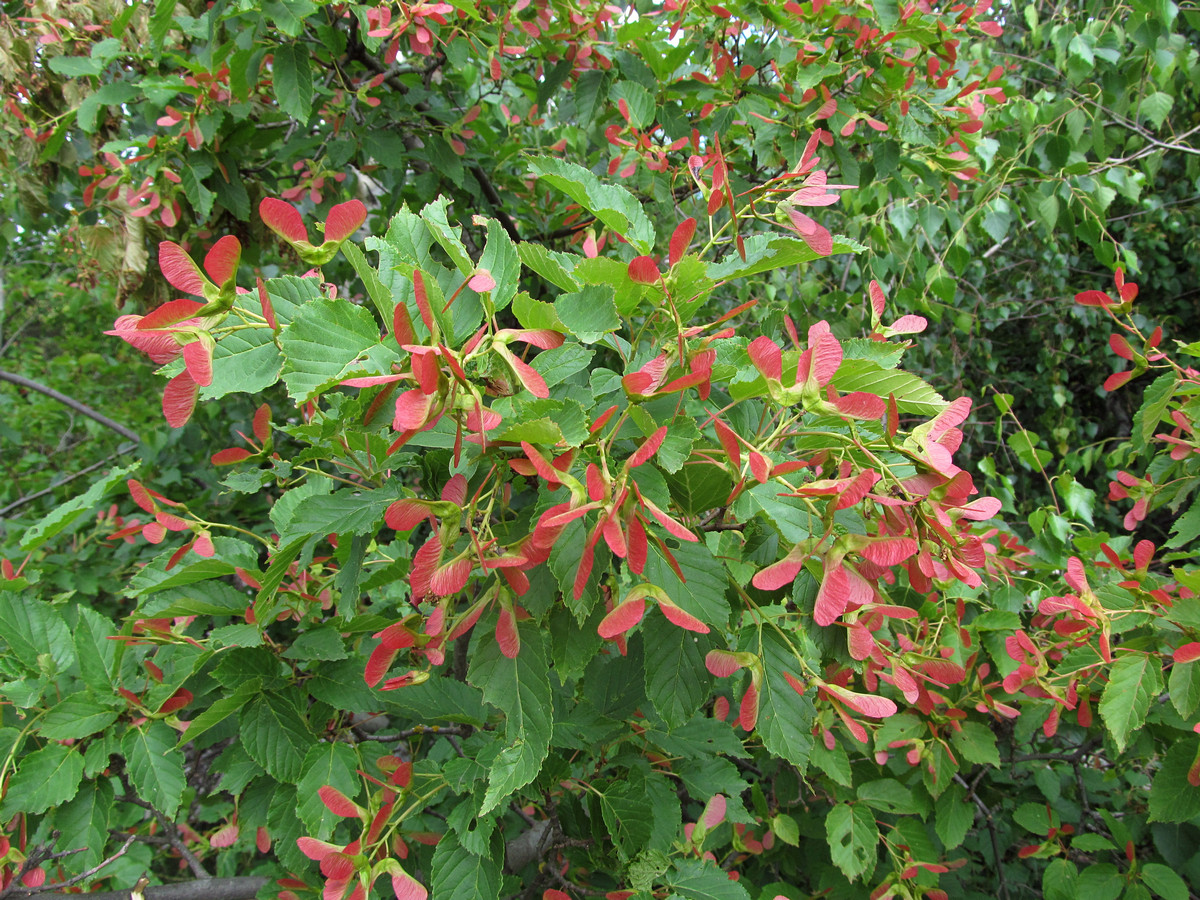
x=240, y=888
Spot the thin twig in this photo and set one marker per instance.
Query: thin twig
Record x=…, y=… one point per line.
x=570, y=885
x=1001, y=881
x=431, y=730
x=170, y=832
x=244, y=887
x=29, y=498
x=69, y=401
x=38, y=855
x=76, y=879
x=995, y=248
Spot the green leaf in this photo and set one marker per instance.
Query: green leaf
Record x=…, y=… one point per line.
x=521, y=689
x=573, y=645
x=449, y=236
x=323, y=642
x=161, y=21
x=285, y=827
x=152, y=580
x=626, y=814
x=473, y=832
x=604, y=270
x=1060, y=880
x=889, y=796
x=1156, y=107
x=83, y=822
x=231, y=189
x=564, y=562
x=1100, y=881
x=703, y=880
x=835, y=763
x=676, y=448
x=331, y=764
x=35, y=633
x=884, y=354
x=439, y=700
x=76, y=716
x=1164, y=881
x=591, y=91
x=380, y=296
x=1047, y=211
x=1155, y=401
x=790, y=518
x=677, y=681
x=284, y=509
x=459, y=874
x=544, y=431
x=610, y=203
x=289, y=15
x=344, y=512
x=95, y=652
x=328, y=342
x=1026, y=445
x=1090, y=843
x=638, y=101
x=553, y=266
x=786, y=829
x=1133, y=682
x=666, y=812
x=292, y=81
x=535, y=314
x=155, y=766
x=200, y=197
x=1183, y=685
x=1172, y=797
x=954, y=815
x=1036, y=818
x=75, y=66
x=698, y=488
x=902, y=218
x=248, y=361
x=111, y=94
x=44, y=778
x=64, y=515
x=1186, y=528
x=341, y=686
x=976, y=743
x=852, y=836
x=500, y=259
x=559, y=364
x=765, y=252
x=276, y=736
x=913, y=395
x=784, y=717
x=589, y=313
x=998, y=219
x=702, y=593
x=221, y=709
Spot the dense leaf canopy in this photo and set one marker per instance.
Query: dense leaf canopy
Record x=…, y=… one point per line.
x=660, y=451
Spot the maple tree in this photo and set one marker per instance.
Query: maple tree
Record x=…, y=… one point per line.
x=578, y=530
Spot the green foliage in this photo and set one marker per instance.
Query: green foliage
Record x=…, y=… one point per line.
x=556, y=539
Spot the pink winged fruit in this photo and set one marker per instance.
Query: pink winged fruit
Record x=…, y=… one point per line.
x=284, y=219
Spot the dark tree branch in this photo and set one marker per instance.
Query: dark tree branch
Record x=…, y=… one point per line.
x=493, y=198
x=988, y=820
x=244, y=887
x=170, y=832
x=69, y=401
